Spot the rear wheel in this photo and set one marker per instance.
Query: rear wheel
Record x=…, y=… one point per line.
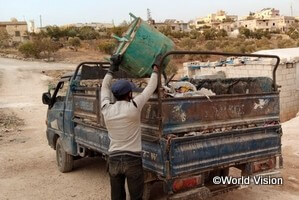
x=65, y=161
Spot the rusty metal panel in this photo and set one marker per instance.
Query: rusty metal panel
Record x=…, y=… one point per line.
x=86, y=107
x=150, y=119
x=154, y=156
x=191, y=154
x=181, y=115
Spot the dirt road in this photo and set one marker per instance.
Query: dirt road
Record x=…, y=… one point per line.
x=28, y=166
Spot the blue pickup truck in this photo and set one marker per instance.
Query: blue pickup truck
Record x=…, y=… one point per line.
x=186, y=141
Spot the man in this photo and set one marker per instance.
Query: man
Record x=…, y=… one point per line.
x=122, y=120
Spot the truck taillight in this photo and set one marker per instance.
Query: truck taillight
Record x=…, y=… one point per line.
x=264, y=165
x=186, y=183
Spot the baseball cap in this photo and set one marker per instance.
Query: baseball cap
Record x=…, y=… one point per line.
x=122, y=87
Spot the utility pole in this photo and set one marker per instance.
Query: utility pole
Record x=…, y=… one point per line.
x=149, y=16
x=292, y=9
x=40, y=21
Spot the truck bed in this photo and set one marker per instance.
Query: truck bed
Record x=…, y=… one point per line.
x=194, y=134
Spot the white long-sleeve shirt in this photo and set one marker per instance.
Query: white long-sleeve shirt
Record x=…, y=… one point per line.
x=122, y=118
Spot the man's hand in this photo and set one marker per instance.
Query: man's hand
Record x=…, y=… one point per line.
x=115, y=61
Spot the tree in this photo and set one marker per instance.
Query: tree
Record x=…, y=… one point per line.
x=222, y=33
x=245, y=31
x=210, y=34
x=55, y=32
x=4, y=38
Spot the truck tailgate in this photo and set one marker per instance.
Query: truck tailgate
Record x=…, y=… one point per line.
x=190, y=154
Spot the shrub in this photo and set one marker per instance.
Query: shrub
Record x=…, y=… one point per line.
x=29, y=49
x=210, y=34
x=187, y=43
x=88, y=33
x=35, y=48
x=210, y=45
x=285, y=43
x=74, y=42
x=107, y=47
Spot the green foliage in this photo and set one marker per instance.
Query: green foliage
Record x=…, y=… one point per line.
x=88, y=33
x=39, y=47
x=293, y=33
x=4, y=38
x=107, y=46
x=74, y=42
x=55, y=32
x=285, y=43
x=245, y=31
x=194, y=34
x=30, y=49
x=258, y=34
x=187, y=43
x=118, y=30
x=165, y=30
x=210, y=45
x=222, y=33
x=210, y=34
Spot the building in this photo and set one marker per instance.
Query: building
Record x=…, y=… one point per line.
x=31, y=26
x=95, y=25
x=218, y=17
x=175, y=25
x=281, y=23
x=268, y=19
x=18, y=30
x=266, y=13
x=287, y=75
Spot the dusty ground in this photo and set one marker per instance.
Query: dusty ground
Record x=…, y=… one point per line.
x=28, y=166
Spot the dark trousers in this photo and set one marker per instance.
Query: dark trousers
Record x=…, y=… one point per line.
x=122, y=167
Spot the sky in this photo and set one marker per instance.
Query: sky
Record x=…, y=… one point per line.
x=60, y=12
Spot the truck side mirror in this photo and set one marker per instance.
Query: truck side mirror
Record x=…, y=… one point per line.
x=46, y=98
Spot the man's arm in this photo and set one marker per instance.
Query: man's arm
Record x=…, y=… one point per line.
x=106, y=96
x=142, y=98
x=105, y=90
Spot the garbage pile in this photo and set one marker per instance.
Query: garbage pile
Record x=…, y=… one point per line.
x=186, y=89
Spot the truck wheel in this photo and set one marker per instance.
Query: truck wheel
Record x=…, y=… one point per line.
x=65, y=161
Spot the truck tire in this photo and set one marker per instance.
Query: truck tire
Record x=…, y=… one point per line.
x=65, y=161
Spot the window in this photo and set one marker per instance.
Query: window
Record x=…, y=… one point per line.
x=273, y=24
x=267, y=24
x=17, y=33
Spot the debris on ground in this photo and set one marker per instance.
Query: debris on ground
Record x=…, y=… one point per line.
x=9, y=124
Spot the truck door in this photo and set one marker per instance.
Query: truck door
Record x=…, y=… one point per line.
x=56, y=112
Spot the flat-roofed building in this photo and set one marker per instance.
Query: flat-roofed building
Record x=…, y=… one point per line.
x=18, y=30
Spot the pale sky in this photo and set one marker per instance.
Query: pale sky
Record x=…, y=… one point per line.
x=59, y=12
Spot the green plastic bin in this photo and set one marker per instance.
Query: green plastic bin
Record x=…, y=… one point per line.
x=140, y=45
